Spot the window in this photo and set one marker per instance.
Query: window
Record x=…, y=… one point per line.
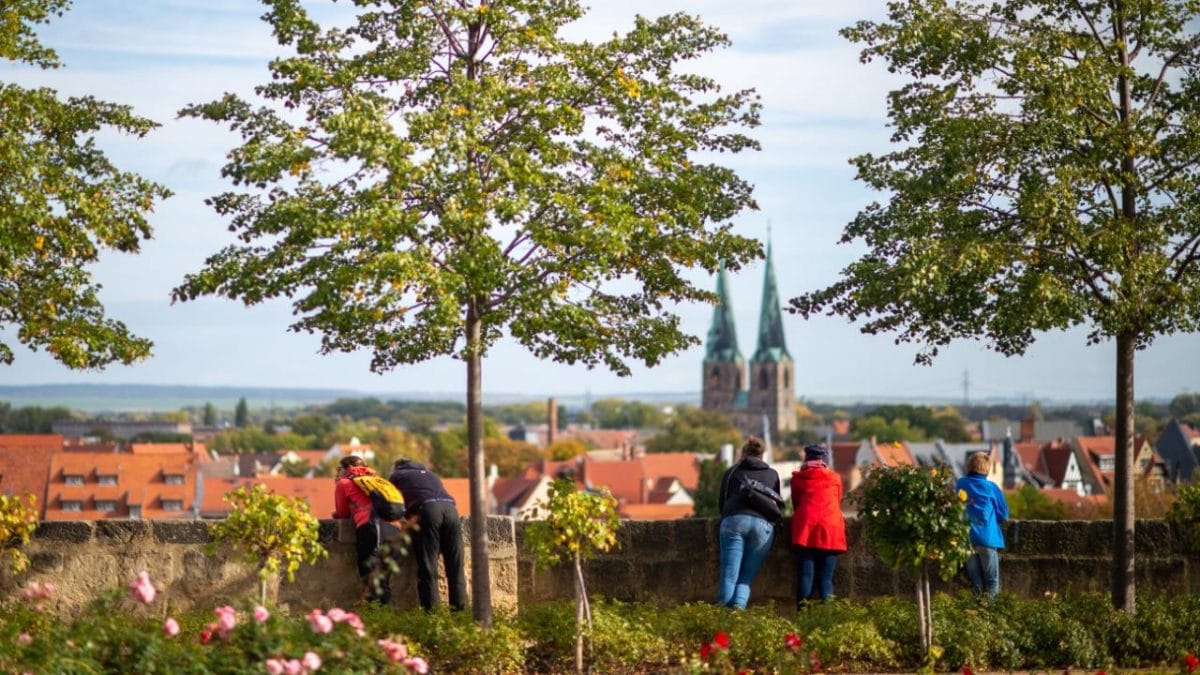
x=173, y=478
x=1107, y=463
x=766, y=380
x=107, y=479
x=172, y=504
x=72, y=479
x=135, y=511
x=106, y=505
x=72, y=505
x=786, y=378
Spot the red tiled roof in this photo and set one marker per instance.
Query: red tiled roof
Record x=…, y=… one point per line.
x=681, y=465
x=506, y=491
x=25, y=464
x=163, y=448
x=895, y=454
x=1096, y=445
x=310, y=457
x=843, y=455
x=655, y=511
x=460, y=489
x=140, y=480
x=604, y=439
x=318, y=492
x=1030, y=454
x=1054, y=461
x=624, y=479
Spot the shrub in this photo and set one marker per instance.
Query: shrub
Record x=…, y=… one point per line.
x=453, y=640
x=18, y=520
x=1184, y=516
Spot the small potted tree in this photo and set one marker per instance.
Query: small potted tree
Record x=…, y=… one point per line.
x=275, y=531
x=915, y=520
x=577, y=526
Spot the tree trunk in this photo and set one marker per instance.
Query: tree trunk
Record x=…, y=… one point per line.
x=580, y=612
x=1124, y=523
x=481, y=589
x=924, y=626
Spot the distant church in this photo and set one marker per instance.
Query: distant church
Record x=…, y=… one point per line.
x=759, y=395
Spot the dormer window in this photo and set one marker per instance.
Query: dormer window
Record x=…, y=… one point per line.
x=173, y=478
x=172, y=504
x=73, y=505
x=107, y=479
x=106, y=505
x=1108, y=463
x=72, y=479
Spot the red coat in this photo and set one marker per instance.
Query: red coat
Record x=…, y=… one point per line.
x=349, y=501
x=817, y=521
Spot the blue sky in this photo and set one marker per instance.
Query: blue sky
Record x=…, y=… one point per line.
x=821, y=106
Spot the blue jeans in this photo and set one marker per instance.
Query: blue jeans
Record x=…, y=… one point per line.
x=983, y=567
x=745, y=542
x=814, y=564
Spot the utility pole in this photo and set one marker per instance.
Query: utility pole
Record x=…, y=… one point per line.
x=966, y=387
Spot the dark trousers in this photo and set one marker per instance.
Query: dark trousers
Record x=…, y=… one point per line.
x=439, y=531
x=366, y=538
x=814, y=564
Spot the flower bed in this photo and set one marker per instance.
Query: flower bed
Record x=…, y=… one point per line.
x=134, y=631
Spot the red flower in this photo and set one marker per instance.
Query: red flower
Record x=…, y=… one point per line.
x=793, y=642
x=967, y=670
x=743, y=672
x=1101, y=672
x=721, y=639
x=705, y=650
x=814, y=662
x=205, y=636
x=1192, y=662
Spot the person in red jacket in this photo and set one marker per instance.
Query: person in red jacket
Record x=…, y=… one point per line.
x=818, y=527
x=351, y=502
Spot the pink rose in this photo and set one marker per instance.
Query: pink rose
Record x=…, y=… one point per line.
x=311, y=661
x=338, y=614
x=171, y=627
x=261, y=614
x=417, y=665
x=47, y=589
x=142, y=588
x=319, y=622
x=24, y=639
x=226, y=620
x=395, y=650
x=274, y=666
x=292, y=667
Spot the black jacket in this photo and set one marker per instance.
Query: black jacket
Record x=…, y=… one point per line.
x=731, y=502
x=418, y=485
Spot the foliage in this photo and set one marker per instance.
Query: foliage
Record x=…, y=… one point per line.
x=209, y=418
x=565, y=448
x=882, y=430
x=911, y=515
x=1030, y=503
x=254, y=439
x=615, y=413
x=693, y=429
x=62, y=203
x=18, y=520
x=241, y=414
x=707, y=499
x=1184, y=404
x=1184, y=515
x=30, y=419
x=452, y=641
x=275, y=531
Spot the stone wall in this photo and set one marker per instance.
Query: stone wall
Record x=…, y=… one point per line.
x=663, y=561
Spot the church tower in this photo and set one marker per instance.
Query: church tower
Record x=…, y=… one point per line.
x=724, y=367
x=772, y=371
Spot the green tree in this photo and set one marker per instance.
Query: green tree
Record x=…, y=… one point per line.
x=708, y=489
x=576, y=526
x=1045, y=177
x=431, y=175
x=62, y=202
x=276, y=532
x=914, y=521
x=885, y=431
x=210, y=415
x=950, y=426
x=1183, y=405
x=615, y=413
x=1030, y=503
x=692, y=429
x=241, y=414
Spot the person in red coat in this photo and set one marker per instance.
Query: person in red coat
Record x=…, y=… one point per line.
x=350, y=502
x=818, y=527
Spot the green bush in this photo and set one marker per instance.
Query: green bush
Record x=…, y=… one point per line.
x=453, y=640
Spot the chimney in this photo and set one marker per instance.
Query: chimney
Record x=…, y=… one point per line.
x=1027, y=430
x=727, y=454
x=552, y=416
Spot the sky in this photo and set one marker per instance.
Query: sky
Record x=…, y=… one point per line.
x=820, y=107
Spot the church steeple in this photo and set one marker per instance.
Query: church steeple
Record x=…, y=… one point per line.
x=722, y=343
x=771, y=344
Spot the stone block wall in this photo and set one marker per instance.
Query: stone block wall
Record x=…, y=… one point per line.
x=662, y=561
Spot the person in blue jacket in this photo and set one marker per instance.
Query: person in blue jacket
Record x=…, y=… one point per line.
x=986, y=509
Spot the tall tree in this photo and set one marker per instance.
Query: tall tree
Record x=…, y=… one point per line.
x=1048, y=177
x=210, y=414
x=437, y=173
x=241, y=414
x=61, y=203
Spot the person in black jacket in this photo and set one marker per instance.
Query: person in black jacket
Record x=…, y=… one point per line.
x=433, y=516
x=745, y=533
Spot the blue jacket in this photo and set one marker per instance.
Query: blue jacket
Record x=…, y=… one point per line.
x=986, y=509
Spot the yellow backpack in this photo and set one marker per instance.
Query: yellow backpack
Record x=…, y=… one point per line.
x=385, y=498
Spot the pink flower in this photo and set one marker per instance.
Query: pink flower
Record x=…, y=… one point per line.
x=292, y=667
x=37, y=592
x=396, y=651
x=24, y=639
x=274, y=666
x=319, y=622
x=311, y=661
x=792, y=641
x=356, y=623
x=171, y=627
x=338, y=614
x=226, y=620
x=142, y=588
x=261, y=614
x=417, y=665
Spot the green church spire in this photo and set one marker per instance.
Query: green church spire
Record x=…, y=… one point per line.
x=722, y=343
x=771, y=344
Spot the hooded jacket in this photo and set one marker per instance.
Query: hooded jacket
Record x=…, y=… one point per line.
x=349, y=501
x=418, y=485
x=817, y=521
x=730, y=501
